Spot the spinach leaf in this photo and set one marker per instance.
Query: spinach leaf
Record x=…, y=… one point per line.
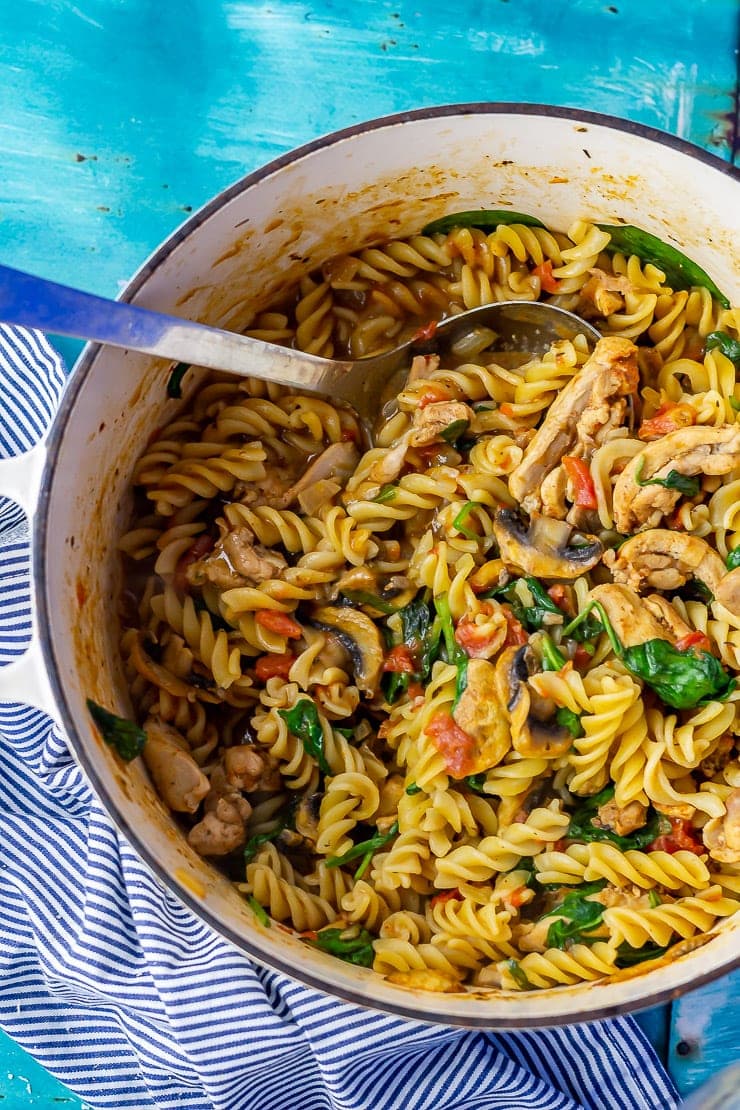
x=486, y=220
x=364, y=848
x=454, y=431
x=728, y=346
x=458, y=522
x=455, y=653
x=552, y=657
x=355, y=947
x=421, y=632
x=397, y=684
x=570, y=720
x=575, y=916
x=531, y=616
x=589, y=629
x=518, y=975
x=123, y=735
x=582, y=825
x=733, y=559
x=628, y=956
x=385, y=494
x=259, y=911
x=174, y=383
x=362, y=597
x=476, y=782
x=680, y=272
x=303, y=721
x=683, y=483
x=255, y=842
x=681, y=679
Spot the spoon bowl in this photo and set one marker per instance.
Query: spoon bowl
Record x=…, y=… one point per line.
x=34, y=302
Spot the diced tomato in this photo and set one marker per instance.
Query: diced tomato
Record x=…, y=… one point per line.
x=544, y=272
x=268, y=666
x=584, y=491
x=580, y=657
x=696, y=640
x=473, y=638
x=432, y=393
x=349, y=435
x=416, y=690
x=400, y=660
x=309, y=934
x=515, y=633
x=669, y=417
x=506, y=409
x=456, y=746
x=682, y=837
x=200, y=546
x=561, y=597
x=425, y=333
x=516, y=898
x=445, y=896
x=279, y=623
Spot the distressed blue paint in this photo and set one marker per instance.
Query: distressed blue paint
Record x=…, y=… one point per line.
x=119, y=116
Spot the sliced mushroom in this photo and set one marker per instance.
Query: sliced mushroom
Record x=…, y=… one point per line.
x=592, y=400
x=481, y=715
x=544, y=549
x=179, y=780
x=360, y=637
x=632, y=622
x=721, y=835
x=688, y=451
x=307, y=816
x=665, y=560
x=530, y=736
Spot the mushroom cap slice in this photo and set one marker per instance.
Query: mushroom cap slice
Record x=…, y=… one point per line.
x=360, y=637
x=543, y=549
x=530, y=736
x=689, y=451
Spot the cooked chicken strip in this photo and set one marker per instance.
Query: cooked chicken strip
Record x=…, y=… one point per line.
x=630, y=619
x=672, y=621
x=688, y=451
x=432, y=420
x=594, y=398
x=665, y=560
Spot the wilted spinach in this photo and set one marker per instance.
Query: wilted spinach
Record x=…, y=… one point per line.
x=582, y=825
x=303, y=721
x=486, y=220
x=680, y=271
x=125, y=736
x=355, y=947
x=575, y=916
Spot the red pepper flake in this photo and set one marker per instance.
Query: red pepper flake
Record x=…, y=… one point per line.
x=445, y=896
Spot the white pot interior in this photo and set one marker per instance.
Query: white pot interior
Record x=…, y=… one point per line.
x=234, y=258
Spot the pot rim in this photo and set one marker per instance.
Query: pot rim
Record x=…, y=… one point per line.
x=79, y=374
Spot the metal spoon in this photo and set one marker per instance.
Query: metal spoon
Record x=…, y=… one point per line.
x=37, y=303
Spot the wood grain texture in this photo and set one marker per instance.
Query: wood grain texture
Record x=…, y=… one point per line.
x=119, y=117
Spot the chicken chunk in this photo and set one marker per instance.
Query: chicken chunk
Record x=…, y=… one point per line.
x=665, y=560
x=244, y=766
x=631, y=620
x=236, y=561
x=431, y=421
x=224, y=823
x=721, y=835
x=622, y=820
x=688, y=451
x=179, y=780
x=668, y=616
x=591, y=401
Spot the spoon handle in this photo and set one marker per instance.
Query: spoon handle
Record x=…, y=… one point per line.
x=37, y=303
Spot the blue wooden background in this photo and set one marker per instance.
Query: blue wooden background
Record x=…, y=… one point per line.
x=119, y=117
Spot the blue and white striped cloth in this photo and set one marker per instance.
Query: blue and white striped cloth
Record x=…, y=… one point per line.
x=133, y=1002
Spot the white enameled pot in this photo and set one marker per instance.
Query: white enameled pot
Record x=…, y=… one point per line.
x=377, y=180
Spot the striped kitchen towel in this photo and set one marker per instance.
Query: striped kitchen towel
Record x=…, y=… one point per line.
x=132, y=1001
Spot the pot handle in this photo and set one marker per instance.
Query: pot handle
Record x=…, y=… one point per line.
x=25, y=680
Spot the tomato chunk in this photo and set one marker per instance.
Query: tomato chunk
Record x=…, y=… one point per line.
x=432, y=393
x=445, y=896
x=696, y=640
x=476, y=639
x=584, y=491
x=544, y=272
x=515, y=631
x=268, y=666
x=681, y=837
x=425, y=333
x=669, y=417
x=279, y=623
x=457, y=747
x=400, y=660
